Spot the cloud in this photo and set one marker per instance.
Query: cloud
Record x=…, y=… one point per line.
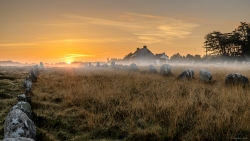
x=17, y=44
x=70, y=56
x=145, y=27
x=91, y=40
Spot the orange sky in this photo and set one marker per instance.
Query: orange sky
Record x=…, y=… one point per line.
x=76, y=30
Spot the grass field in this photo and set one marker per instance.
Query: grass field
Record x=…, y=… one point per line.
x=80, y=104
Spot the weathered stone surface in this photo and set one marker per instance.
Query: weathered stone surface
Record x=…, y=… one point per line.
x=236, y=79
x=205, y=75
x=27, y=86
x=152, y=69
x=23, y=97
x=133, y=67
x=25, y=107
x=98, y=64
x=18, y=139
x=165, y=69
x=187, y=74
x=41, y=66
x=18, y=124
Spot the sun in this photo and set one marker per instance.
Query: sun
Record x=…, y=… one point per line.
x=68, y=62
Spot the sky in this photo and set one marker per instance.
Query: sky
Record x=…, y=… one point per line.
x=93, y=30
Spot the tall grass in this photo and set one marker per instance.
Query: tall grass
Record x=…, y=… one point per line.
x=95, y=104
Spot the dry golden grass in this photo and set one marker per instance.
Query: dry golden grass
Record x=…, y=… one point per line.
x=104, y=104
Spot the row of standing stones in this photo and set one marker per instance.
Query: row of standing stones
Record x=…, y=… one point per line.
x=205, y=75
x=19, y=125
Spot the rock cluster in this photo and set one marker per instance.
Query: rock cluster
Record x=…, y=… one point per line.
x=236, y=79
x=18, y=125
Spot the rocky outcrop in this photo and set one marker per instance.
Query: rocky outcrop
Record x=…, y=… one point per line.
x=25, y=107
x=187, y=74
x=205, y=75
x=152, y=69
x=23, y=97
x=133, y=67
x=18, y=124
x=236, y=79
x=165, y=69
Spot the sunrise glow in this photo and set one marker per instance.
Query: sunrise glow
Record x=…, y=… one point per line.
x=35, y=31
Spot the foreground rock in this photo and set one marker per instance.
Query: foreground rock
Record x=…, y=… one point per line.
x=27, y=86
x=165, y=69
x=18, y=124
x=133, y=67
x=236, y=79
x=18, y=139
x=152, y=69
x=25, y=107
x=187, y=74
x=205, y=75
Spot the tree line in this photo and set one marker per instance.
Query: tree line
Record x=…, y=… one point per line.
x=235, y=44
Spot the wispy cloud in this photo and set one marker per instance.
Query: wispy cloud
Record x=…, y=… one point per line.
x=91, y=40
x=70, y=56
x=145, y=27
x=17, y=44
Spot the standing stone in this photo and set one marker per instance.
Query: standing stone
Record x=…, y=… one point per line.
x=98, y=64
x=133, y=67
x=104, y=65
x=113, y=64
x=18, y=124
x=36, y=70
x=27, y=86
x=236, y=79
x=152, y=69
x=32, y=75
x=205, y=75
x=23, y=97
x=25, y=107
x=187, y=74
x=18, y=139
x=41, y=66
x=165, y=69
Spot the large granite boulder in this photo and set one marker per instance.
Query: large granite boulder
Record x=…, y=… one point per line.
x=25, y=107
x=205, y=75
x=18, y=124
x=236, y=79
x=27, y=85
x=23, y=97
x=152, y=69
x=133, y=67
x=17, y=139
x=187, y=74
x=165, y=69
